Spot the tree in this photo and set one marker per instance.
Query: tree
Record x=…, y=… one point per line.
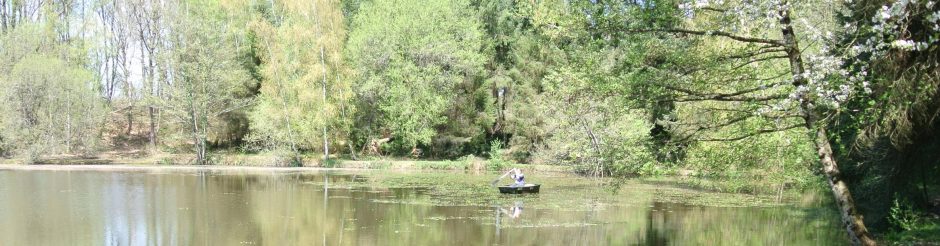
x=888, y=129
x=51, y=103
x=411, y=57
x=591, y=131
x=303, y=94
x=51, y=108
x=207, y=77
x=764, y=35
x=149, y=22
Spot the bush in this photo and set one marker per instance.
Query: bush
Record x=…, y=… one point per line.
x=328, y=163
x=49, y=107
x=286, y=158
x=497, y=161
x=902, y=215
x=911, y=227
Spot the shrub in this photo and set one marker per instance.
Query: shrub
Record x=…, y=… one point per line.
x=902, y=215
x=328, y=163
x=497, y=161
x=286, y=158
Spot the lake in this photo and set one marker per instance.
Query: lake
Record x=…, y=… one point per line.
x=262, y=206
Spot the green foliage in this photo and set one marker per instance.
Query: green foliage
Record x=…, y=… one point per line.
x=903, y=216
x=328, y=163
x=519, y=55
x=911, y=226
x=889, y=134
x=165, y=161
x=443, y=165
x=592, y=133
x=778, y=159
x=305, y=92
x=497, y=161
x=925, y=232
x=467, y=160
x=208, y=77
x=607, y=87
x=285, y=158
x=411, y=57
x=51, y=106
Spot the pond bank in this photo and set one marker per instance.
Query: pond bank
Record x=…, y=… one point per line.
x=271, y=160
x=137, y=160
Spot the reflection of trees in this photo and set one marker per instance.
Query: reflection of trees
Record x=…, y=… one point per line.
x=235, y=208
x=676, y=223
x=36, y=209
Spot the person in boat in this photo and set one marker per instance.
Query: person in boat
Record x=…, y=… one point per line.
x=517, y=177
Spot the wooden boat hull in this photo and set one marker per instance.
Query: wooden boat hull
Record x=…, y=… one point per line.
x=528, y=188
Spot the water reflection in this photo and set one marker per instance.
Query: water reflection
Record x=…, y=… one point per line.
x=210, y=207
x=513, y=213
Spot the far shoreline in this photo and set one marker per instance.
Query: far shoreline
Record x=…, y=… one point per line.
x=262, y=163
x=139, y=167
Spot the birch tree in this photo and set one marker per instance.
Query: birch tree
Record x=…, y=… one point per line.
x=304, y=92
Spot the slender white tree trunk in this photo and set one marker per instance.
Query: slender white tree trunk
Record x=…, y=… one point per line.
x=326, y=143
x=323, y=113
x=851, y=218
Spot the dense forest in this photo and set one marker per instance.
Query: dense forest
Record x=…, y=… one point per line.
x=797, y=93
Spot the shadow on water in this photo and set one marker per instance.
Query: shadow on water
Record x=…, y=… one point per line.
x=226, y=207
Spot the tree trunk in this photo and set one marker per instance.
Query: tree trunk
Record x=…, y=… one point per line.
x=595, y=145
x=68, y=122
x=198, y=141
x=352, y=151
x=153, y=128
x=326, y=148
x=851, y=219
x=3, y=16
x=326, y=141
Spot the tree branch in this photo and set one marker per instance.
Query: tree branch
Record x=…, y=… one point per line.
x=760, y=51
x=767, y=58
x=713, y=9
x=732, y=99
x=733, y=96
x=755, y=133
x=772, y=42
x=732, y=121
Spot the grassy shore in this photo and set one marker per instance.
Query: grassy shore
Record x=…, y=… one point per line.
x=273, y=160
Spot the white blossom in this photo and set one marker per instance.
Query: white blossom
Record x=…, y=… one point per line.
x=903, y=44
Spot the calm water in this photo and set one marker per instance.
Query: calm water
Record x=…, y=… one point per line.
x=266, y=207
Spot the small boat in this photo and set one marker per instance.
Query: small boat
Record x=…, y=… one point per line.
x=527, y=188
